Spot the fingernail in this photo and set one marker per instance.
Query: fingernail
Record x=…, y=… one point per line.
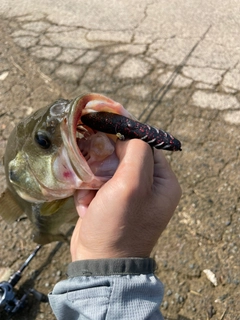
x=81, y=210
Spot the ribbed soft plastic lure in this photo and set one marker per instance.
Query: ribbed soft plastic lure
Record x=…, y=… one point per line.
x=126, y=128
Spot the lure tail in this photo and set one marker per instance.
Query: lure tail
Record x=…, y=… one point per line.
x=126, y=128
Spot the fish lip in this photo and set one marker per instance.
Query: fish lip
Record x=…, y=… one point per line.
x=68, y=132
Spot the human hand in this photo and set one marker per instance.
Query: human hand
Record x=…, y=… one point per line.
x=128, y=214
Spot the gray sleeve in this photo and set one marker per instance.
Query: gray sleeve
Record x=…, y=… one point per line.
x=108, y=289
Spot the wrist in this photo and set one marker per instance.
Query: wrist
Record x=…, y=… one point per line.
x=83, y=254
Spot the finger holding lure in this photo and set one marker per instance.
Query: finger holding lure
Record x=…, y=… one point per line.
x=126, y=128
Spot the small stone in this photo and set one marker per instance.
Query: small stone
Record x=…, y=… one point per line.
x=169, y=292
x=211, y=276
x=3, y=75
x=179, y=298
x=164, y=305
x=211, y=311
x=176, y=296
x=165, y=264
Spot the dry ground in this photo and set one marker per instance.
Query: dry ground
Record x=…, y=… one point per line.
x=204, y=233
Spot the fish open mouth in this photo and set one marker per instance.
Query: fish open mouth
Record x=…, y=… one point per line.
x=89, y=153
x=96, y=147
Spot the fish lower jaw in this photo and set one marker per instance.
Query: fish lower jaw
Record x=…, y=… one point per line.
x=44, y=194
x=26, y=196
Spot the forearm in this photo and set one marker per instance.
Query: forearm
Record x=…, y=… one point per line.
x=108, y=289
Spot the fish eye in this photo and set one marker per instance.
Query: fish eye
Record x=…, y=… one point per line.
x=42, y=140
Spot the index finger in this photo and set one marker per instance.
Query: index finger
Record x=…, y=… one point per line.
x=165, y=179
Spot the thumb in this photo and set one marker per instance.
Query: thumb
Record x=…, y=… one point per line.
x=135, y=163
x=82, y=199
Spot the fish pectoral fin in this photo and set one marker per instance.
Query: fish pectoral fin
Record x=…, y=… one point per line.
x=49, y=208
x=9, y=208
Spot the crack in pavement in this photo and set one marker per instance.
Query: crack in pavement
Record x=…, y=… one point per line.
x=164, y=89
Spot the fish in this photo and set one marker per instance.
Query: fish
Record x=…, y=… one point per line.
x=53, y=153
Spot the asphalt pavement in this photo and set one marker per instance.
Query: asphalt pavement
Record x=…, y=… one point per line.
x=173, y=64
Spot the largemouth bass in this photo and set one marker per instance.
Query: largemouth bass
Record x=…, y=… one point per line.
x=52, y=153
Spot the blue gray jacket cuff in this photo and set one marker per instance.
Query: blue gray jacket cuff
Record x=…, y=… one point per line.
x=106, y=267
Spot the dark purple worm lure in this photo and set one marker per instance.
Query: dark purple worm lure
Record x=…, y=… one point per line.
x=126, y=128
